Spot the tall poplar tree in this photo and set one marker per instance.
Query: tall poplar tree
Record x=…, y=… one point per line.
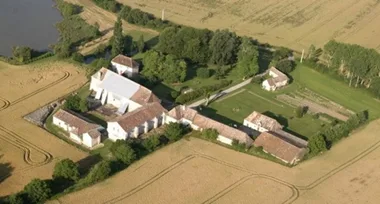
x=118, y=39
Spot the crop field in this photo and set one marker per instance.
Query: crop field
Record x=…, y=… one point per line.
x=196, y=171
x=27, y=151
x=291, y=23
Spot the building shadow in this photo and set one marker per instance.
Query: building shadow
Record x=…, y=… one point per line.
x=281, y=119
x=151, y=42
x=213, y=114
x=286, y=129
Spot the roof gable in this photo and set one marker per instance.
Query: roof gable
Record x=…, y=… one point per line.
x=126, y=61
x=264, y=121
x=82, y=126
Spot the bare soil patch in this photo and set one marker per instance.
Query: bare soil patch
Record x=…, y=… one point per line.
x=30, y=150
x=292, y=23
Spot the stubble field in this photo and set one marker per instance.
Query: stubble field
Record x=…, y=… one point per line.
x=196, y=171
x=26, y=150
x=291, y=23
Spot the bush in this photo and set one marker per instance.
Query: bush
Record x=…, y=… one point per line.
x=99, y=172
x=316, y=144
x=73, y=103
x=66, y=169
x=37, y=191
x=257, y=80
x=83, y=105
x=174, y=94
x=210, y=134
x=238, y=146
x=15, y=199
x=110, y=5
x=123, y=152
x=184, y=98
x=174, y=131
x=300, y=111
x=67, y=9
x=77, y=57
x=285, y=65
x=151, y=143
x=22, y=54
x=203, y=73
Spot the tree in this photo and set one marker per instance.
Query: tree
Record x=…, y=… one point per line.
x=62, y=49
x=123, y=152
x=22, y=54
x=203, y=73
x=168, y=41
x=78, y=57
x=247, y=64
x=285, y=65
x=15, y=199
x=66, y=169
x=73, y=103
x=151, y=143
x=174, y=131
x=100, y=171
x=118, y=38
x=141, y=44
x=211, y=134
x=83, y=105
x=223, y=46
x=316, y=144
x=300, y=111
x=37, y=191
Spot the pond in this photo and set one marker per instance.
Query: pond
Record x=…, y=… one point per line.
x=28, y=23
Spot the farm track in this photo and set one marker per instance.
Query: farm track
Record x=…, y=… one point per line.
x=293, y=197
x=18, y=141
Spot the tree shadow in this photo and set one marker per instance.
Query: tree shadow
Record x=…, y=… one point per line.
x=264, y=59
x=212, y=113
x=281, y=119
x=152, y=42
x=5, y=170
x=87, y=163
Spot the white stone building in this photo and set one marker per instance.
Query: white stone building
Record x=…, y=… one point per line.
x=80, y=130
x=139, y=121
x=124, y=65
x=119, y=91
x=277, y=81
x=261, y=123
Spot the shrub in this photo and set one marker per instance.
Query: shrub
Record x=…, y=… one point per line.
x=184, y=98
x=67, y=9
x=77, y=57
x=15, y=199
x=73, y=103
x=151, y=143
x=123, y=152
x=83, y=105
x=174, y=131
x=174, y=94
x=238, y=146
x=22, y=54
x=99, y=172
x=110, y=5
x=66, y=169
x=37, y=191
x=285, y=65
x=211, y=134
x=203, y=73
x=316, y=144
x=257, y=80
x=300, y=111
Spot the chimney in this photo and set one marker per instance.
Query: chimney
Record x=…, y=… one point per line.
x=183, y=107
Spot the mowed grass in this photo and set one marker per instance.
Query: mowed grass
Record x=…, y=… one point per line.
x=337, y=91
x=232, y=109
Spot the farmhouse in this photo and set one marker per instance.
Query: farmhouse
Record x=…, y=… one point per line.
x=134, y=123
x=124, y=65
x=199, y=122
x=277, y=80
x=280, y=148
x=80, y=130
x=261, y=123
x=123, y=93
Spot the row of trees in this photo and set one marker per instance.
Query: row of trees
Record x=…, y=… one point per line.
x=358, y=65
x=327, y=137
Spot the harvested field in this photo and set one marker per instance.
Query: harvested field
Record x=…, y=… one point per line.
x=291, y=23
x=30, y=150
x=196, y=171
x=93, y=14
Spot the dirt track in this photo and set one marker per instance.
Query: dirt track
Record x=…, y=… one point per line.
x=195, y=171
x=30, y=150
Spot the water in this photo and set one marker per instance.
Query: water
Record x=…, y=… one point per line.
x=27, y=23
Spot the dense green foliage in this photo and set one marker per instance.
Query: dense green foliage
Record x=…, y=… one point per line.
x=118, y=38
x=174, y=131
x=184, y=98
x=141, y=44
x=151, y=143
x=285, y=65
x=189, y=43
x=110, y=5
x=316, y=145
x=22, y=54
x=164, y=67
x=210, y=134
x=73, y=103
x=223, y=47
x=247, y=63
x=37, y=191
x=300, y=111
x=99, y=172
x=67, y=9
x=359, y=66
x=66, y=169
x=203, y=73
x=15, y=199
x=123, y=152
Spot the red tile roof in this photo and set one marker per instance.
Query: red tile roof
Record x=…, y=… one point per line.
x=144, y=96
x=263, y=121
x=127, y=61
x=139, y=116
x=279, y=148
x=81, y=126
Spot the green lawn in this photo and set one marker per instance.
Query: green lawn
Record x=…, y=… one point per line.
x=337, y=91
x=238, y=105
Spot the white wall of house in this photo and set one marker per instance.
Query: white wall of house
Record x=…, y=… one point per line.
x=267, y=87
x=224, y=140
x=122, y=69
x=282, y=83
x=89, y=141
x=115, y=132
x=133, y=106
x=60, y=123
x=75, y=137
x=254, y=126
x=94, y=85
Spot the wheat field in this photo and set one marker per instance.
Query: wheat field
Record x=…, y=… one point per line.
x=292, y=23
